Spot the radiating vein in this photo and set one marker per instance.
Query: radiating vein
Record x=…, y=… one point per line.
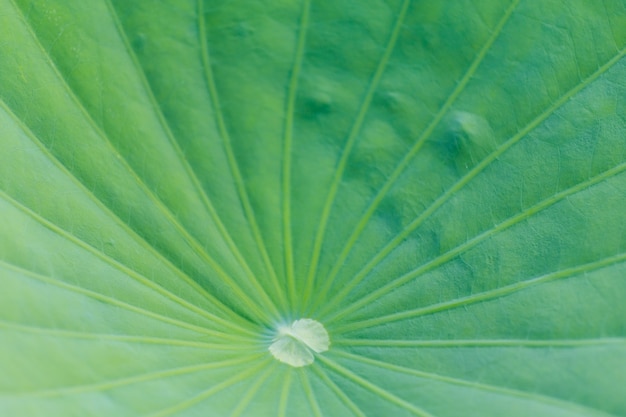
x=484, y=296
x=177, y=271
x=284, y=393
x=404, y=163
x=525, y=395
x=458, y=250
x=192, y=241
x=230, y=155
x=338, y=391
x=349, y=144
x=252, y=391
x=126, y=306
x=397, y=240
x=124, y=269
x=142, y=340
x=287, y=145
x=375, y=389
x=239, y=377
x=310, y=394
x=135, y=379
x=267, y=302
x=487, y=343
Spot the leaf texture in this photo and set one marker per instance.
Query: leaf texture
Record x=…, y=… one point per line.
x=440, y=184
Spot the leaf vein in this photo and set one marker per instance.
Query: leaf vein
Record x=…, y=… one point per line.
x=198, y=249
x=350, y=141
x=117, y=303
x=458, y=250
x=230, y=155
x=386, y=395
x=487, y=295
x=189, y=170
x=526, y=395
x=124, y=269
x=396, y=241
x=287, y=148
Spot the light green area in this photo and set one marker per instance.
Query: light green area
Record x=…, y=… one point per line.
x=441, y=184
x=297, y=343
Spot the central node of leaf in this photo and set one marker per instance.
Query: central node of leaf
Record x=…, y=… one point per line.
x=296, y=343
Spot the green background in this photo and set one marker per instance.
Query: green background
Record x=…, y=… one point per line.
x=441, y=184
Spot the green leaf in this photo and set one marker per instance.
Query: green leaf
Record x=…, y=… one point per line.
x=440, y=185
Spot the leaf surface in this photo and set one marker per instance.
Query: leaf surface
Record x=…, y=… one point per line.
x=441, y=185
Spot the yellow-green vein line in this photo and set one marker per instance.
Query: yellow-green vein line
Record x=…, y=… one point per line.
x=126, y=306
x=158, y=203
x=486, y=343
x=135, y=379
x=121, y=338
x=452, y=253
x=284, y=393
x=396, y=241
x=177, y=271
x=484, y=296
x=414, y=150
x=525, y=395
x=338, y=391
x=310, y=395
x=239, y=377
x=341, y=165
x=386, y=395
x=124, y=269
x=287, y=147
x=232, y=161
x=188, y=169
x=254, y=389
